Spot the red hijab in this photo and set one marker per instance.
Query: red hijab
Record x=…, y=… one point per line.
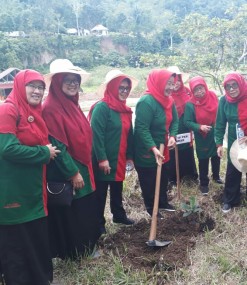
x=241, y=99
x=66, y=121
x=156, y=83
x=112, y=100
x=29, y=132
x=181, y=96
x=206, y=106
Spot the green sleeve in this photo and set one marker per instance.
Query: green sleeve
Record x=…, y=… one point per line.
x=130, y=144
x=99, y=124
x=175, y=122
x=221, y=122
x=12, y=150
x=190, y=118
x=64, y=162
x=144, y=117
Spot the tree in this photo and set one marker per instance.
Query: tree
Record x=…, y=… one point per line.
x=77, y=7
x=169, y=22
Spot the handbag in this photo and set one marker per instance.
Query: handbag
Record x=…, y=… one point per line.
x=60, y=193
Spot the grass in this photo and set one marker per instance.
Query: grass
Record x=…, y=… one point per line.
x=98, y=75
x=219, y=256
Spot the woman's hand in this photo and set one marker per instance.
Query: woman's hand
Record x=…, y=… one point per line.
x=158, y=156
x=53, y=151
x=205, y=129
x=171, y=143
x=105, y=167
x=77, y=181
x=220, y=151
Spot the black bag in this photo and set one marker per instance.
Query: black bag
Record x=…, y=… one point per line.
x=60, y=193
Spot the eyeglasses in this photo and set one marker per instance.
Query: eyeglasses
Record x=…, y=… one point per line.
x=198, y=88
x=124, y=89
x=71, y=81
x=170, y=84
x=41, y=88
x=231, y=86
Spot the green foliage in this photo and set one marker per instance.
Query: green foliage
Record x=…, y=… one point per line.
x=205, y=39
x=114, y=59
x=192, y=207
x=83, y=58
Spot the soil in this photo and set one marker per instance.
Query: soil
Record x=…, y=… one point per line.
x=130, y=242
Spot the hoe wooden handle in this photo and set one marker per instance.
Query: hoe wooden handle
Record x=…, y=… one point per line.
x=153, y=229
x=177, y=172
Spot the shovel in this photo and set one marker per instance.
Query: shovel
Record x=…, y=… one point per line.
x=152, y=241
x=177, y=173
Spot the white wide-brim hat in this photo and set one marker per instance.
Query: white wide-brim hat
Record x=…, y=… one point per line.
x=64, y=66
x=175, y=69
x=112, y=74
x=239, y=156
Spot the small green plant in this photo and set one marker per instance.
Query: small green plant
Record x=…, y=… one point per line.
x=192, y=207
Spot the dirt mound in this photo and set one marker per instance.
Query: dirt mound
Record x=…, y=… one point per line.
x=130, y=242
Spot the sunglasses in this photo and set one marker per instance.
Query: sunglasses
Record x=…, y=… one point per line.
x=70, y=82
x=231, y=86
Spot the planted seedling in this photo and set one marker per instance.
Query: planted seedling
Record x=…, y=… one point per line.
x=191, y=207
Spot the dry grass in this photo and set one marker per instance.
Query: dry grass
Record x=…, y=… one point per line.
x=219, y=256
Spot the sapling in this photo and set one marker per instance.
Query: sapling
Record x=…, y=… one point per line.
x=192, y=207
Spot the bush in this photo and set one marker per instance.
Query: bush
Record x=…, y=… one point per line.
x=114, y=59
x=82, y=58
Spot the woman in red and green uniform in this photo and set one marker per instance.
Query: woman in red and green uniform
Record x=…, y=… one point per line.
x=156, y=123
x=187, y=166
x=24, y=150
x=74, y=230
x=200, y=116
x=232, y=110
x=111, y=121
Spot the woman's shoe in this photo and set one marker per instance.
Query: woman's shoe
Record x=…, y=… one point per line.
x=226, y=208
x=218, y=181
x=204, y=190
x=125, y=221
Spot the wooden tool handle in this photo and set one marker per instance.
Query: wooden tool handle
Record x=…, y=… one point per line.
x=153, y=229
x=177, y=172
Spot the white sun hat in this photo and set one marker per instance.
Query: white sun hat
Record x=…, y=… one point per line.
x=238, y=156
x=112, y=74
x=64, y=66
x=175, y=69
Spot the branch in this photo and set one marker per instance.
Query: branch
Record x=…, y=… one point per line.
x=207, y=74
x=244, y=54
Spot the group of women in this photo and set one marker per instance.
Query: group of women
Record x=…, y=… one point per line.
x=54, y=141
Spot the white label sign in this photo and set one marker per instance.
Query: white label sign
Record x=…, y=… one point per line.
x=183, y=138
